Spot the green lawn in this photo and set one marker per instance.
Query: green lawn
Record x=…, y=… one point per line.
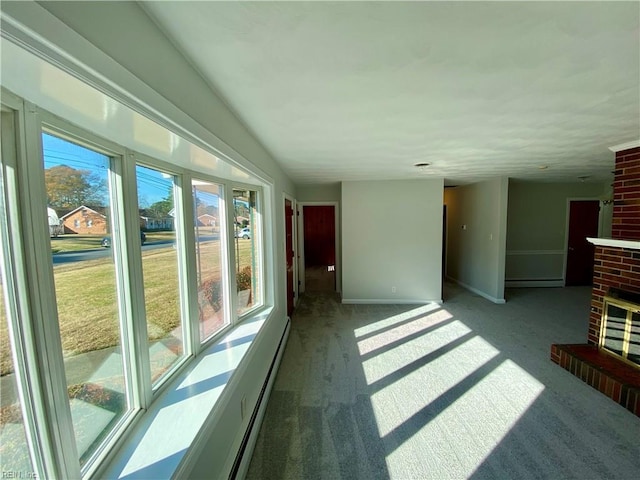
x=87, y=300
x=74, y=243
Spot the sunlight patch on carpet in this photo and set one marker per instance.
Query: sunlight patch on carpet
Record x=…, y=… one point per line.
x=396, y=319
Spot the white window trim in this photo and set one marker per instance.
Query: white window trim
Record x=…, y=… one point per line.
x=60, y=457
x=258, y=237
x=30, y=388
x=62, y=461
x=184, y=267
x=128, y=269
x=44, y=362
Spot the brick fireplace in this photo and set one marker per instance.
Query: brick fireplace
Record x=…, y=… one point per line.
x=616, y=276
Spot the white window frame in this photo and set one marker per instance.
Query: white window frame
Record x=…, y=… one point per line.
x=29, y=385
x=257, y=235
x=227, y=259
x=128, y=267
x=184, y=266
x=40, y=366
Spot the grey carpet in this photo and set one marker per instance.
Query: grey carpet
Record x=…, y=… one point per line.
x=461, y=390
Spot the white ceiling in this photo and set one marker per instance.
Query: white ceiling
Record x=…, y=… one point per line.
x=354, y=91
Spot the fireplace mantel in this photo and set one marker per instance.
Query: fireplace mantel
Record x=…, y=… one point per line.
x=612, y=242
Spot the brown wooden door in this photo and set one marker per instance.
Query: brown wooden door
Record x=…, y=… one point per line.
x=319, y=247
x=583, y=223
x=288, y=220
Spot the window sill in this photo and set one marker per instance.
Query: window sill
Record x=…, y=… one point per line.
x=162, y=438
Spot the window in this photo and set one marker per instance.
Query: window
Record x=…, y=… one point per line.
x=86, y=293
x=212, y=281
x=121, y=298
x=247, y=246
x=160, y=270
x=14, y=447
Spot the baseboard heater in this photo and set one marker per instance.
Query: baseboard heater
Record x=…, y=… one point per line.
x=254, y=415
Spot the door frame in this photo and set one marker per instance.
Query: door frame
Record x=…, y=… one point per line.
x=296, y=289
x=566, y=230
x=301, y=264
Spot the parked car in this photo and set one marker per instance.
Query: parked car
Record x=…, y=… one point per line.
x=244, y=233
x=106, y=241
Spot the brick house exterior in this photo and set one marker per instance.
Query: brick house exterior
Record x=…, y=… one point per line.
x=85, y=221
x=207, y=220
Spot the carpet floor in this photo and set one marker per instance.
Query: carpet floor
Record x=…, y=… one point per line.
x=459, y=390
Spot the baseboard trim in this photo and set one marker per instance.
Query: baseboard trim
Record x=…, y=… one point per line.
x=243, y=458
x=498, y=301
x=387, y=301
x=533, y=283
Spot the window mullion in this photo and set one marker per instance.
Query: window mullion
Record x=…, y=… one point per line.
x=44, y=357
x=185, y=238
x=229, y=257
x=12, y=273
x=128, y=257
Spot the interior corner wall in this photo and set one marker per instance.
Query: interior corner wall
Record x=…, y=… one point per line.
x=536, y=229
x=392, y=239
x=476, y=236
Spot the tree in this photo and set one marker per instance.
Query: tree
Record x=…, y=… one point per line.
x=68, y=187
x=161, y=208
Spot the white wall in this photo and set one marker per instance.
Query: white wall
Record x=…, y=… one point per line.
x=536, y=229
x=392, y=237
x=319, y=193
x=134, y=55
x=476, y=236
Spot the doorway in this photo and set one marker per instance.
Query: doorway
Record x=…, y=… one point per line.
x=319, y=233
x=583, y=223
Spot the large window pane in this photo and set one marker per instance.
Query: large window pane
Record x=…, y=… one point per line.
x=85, y=287
x=247, y=245
x=160, y=269
x=207, y=198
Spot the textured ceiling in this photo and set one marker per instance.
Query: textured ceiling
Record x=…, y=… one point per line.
x=355, y=91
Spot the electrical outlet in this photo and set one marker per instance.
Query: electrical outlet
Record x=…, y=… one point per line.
x=393, y=289
x=243, y=407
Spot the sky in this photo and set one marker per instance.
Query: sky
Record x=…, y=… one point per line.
x=152, y=185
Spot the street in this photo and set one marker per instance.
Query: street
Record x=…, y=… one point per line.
x=95, y=254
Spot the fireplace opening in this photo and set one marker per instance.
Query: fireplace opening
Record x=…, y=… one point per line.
x=620, y=329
